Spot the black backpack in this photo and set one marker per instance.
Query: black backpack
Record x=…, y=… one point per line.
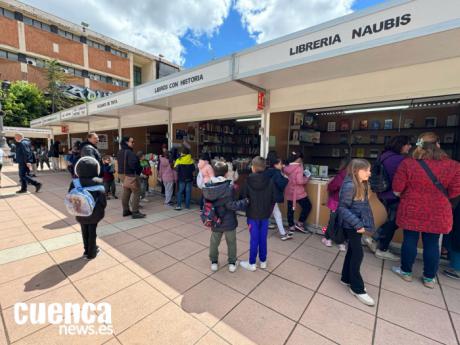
x=379, y=180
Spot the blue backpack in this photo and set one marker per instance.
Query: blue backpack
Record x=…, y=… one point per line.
x=79, y=201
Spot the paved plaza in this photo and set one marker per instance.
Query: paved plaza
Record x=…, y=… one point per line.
x=155, y=274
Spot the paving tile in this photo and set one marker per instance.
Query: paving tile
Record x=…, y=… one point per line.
x=20, y=252
x=242, y=280
x=212, y=338
x=116, y=240
x=79, y=268
x=456, y=322
x=168, y=325
x=44, y=234
x=188, y=218
x=349, y=325
x=62, y=241
x=134, y=249
x=10, y=232
x=106, y=230
x=315, y=242
x=175, y=279
x=187, y=230
x=104, y=283
x=332, y=287
x=201, y=262
x=371, y=274
x=65, y=294
x=390, y=334
x=301, y=273
x=209, y=301
x=416, y=316
x=415, y=289
x=285, y=247
x=144, y=231
x=252, y=323
x=16, y=240
x=452, y=297
x=274, y=260
x=203, y=238
x=3, y=338
x=168, y=223
x=156, y=217
x=302, y=336
x=133, y=304
x=182, y=249
x=314, y=256
x=283, y=296
x=150, y=263
x=17, y=269
x=129, y=224
x=162, y=239
x=446, y=281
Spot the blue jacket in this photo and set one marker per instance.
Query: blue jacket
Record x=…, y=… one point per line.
x=354, y=214
x=24, y=153
x=280, y=182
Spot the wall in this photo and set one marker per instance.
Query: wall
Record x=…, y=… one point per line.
x=279, y=127
x=98, y=60
x=10, y=70
x=9, y=34
x=142, y=139
x=38, y=76
x=97, y=85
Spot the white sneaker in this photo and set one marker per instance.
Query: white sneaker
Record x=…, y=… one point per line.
x=364, y=298
x=247, y=266
x=232, y=267
x=145, y=200
x=214, y=267
x=370, y=243
x=380, y=254
x=342, y=247
x=326, y=242
x=263, y=264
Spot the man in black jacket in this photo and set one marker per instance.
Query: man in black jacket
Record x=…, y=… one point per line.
x=89, y=148
x=24, y=158
x=129, y=169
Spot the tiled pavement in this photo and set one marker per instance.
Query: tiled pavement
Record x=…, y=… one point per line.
x=155, y=274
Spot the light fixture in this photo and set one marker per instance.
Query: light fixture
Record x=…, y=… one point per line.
x=366, y=110
x=249, y=119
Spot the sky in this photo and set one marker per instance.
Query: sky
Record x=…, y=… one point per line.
x=193, y=32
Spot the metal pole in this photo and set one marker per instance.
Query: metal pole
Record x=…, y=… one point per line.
x=3, y=145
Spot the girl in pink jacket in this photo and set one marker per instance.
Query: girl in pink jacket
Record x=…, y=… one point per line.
x=205, y=169
x=168, y=176
x=295, y=192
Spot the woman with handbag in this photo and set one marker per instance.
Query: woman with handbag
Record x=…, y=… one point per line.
x=129, y=170
x=425, y=183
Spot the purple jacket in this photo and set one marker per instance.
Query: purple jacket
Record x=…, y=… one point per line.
x=391, y=161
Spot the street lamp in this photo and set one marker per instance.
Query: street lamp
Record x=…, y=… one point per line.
x=6, y=149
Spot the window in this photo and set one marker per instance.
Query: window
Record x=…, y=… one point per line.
x=37, y=24
x=78, y=73
x=6, y=13
x=55, y=48
x=28, y=21
x=137, y=71
x=46, y=27
x=109, y=64
x=2, y=54
x=164, y=69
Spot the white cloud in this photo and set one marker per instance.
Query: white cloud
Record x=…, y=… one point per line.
x=155, y=26
x=274, y=18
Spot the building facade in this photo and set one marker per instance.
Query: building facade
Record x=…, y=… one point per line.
x=95, y=64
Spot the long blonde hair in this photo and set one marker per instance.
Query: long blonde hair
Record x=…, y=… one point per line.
x=360, y=187
x=427, y=147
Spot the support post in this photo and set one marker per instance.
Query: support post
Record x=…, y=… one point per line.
x=170, y=130
x=120, y=133
x=265, y=137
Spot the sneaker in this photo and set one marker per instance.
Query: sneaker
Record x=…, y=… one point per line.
x=98, y=251
x=387, y=255
x=271, y=226
x=232, y=267
x=138, y=215
x=214, y=266
x=300, y=228
x=127, y=213
x=342, y=247
x=21, y=191
x=285, y=237
x=429, y=282
x=145, y=200
x=326, y=242
x=344, y=283
x=404, y=275
x=247, y=266
x=38, y=187
x=364, y=298
x=451, y=273
x=178, y=208
x=370, y=243
x=291, y=230
x=263, y=265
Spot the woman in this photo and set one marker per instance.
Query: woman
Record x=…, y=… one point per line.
x=425, y=206
x=355, y=217
x=395, y=152
x=168, y=177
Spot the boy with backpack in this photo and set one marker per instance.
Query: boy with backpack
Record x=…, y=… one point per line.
x=219, y=214
x=108, y=171
x=260, y=191
x=86, y=200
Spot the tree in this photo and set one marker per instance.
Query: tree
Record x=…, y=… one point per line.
x=55, y=77
x=23, y=102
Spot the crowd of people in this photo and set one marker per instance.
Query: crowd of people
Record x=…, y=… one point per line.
x=421, y=197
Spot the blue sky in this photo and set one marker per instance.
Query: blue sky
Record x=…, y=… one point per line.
x=232, y=37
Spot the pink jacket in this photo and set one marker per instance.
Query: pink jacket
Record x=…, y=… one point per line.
x=333, y=188
x=206, y=170
x=166, y=173
x=295, y=190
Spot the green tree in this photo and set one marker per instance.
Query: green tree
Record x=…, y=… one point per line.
x=23, y=102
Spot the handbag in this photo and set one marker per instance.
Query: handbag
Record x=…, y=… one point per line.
x=434, y=179
x=129, y=182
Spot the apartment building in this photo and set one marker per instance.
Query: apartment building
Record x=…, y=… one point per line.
x=95, y=64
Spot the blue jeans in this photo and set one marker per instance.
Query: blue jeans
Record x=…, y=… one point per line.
x=454, y=256
x=187, y=186
x=430, y=252
x=258, y=230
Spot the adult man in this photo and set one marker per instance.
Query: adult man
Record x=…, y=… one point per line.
x=89, y=148
x=129, y=169
x=54, y=155
x=24, y=159
x=43, y=157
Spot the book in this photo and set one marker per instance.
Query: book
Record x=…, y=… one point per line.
x=357, y=139
x=343, y=139
x=373, y=153
x=373, y=139
x=335, y=152
x=310, y=137
x=344, y=125
x=363, y=124
x=360, y=152
x=452, y=120
x=298, y=118
x=331, y=126
x=323, y=170
x=449, y=138
x=388, y=124
x=375, y=124
x=309, y=121
x=295, y=135
x=409, y=123
x=431, y=121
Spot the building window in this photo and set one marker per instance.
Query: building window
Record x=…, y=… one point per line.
x=8, y=55
x=109, y=64
x=164, y=69
x=55, y=48
x=6, y=13
x=137, y=75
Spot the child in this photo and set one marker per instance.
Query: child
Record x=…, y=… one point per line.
x=87, y=170
x=260, y=191
x=295, y=192
x=355, y=217
x=205, y=174
x=108, y=177
x=168, y=177
x=279, y=182
x=146, y=173
x=185, y=166
x=333, y=188
x=221, y=194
